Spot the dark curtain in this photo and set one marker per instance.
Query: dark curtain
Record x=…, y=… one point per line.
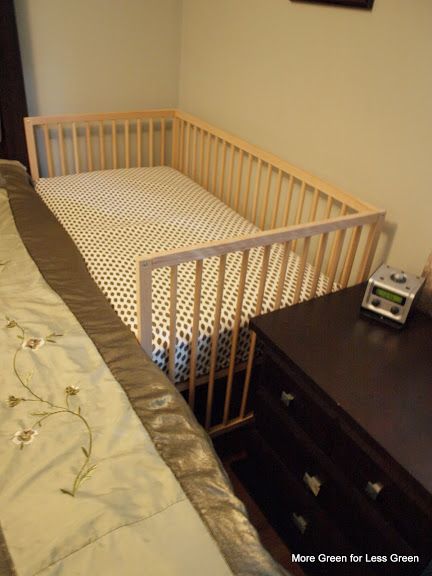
x=13, y=105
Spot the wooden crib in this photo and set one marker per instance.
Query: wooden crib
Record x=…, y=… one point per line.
x=328, y=228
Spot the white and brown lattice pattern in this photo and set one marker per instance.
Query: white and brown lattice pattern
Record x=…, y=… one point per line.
x=115, y=215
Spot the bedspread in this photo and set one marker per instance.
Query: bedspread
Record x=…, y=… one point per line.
x=103, y=467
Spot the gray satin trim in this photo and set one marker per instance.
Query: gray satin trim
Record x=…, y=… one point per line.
x=6, y=564
x=181, y=442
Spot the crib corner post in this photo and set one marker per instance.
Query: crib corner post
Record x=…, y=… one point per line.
x=144, y=304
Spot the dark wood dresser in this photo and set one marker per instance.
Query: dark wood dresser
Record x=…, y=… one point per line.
x=344, y=436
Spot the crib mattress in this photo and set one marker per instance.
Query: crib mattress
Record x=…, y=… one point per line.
x=115, y=215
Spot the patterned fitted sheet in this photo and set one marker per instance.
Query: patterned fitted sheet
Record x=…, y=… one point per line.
x=115, y=215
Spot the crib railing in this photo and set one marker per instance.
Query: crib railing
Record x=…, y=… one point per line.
x=61, y=145
x=265, y=189
x=347, y=233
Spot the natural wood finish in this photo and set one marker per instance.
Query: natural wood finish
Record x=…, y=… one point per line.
x=266, y=197
x=101, y=146
x=127, y=143
x=114, y=143
x=173, y=324
x=89, y=148
x=277, y=200
x=302, y=268
x=256, y=191
x=75, y=148
x=48, y=151
x=217, y=160
x=349, y=260
x=260, y=298
x=215, y=339
x=62, y=149
x=322, y=244
x=162, y=141
x=238, y=181
x=282, y=273
x=195, y=331
x=150, y=142
x=239, y=307
x=285, y=218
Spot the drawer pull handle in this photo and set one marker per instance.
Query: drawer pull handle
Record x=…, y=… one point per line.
x=313, y=483
x=300, y=522
x=373, y=489
x=287, y=398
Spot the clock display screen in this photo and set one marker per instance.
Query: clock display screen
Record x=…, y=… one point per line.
x=387, y=295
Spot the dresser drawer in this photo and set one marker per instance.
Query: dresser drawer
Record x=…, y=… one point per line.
x=297, y=404
x=387, y=498
x=296, y=513
x=325, y=483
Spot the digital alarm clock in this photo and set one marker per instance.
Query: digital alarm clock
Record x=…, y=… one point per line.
x=390, y=294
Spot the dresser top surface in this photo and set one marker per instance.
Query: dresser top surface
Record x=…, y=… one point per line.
x=381, y=377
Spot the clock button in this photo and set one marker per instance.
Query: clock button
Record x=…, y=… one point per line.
x=376, y=302
x=395, y=310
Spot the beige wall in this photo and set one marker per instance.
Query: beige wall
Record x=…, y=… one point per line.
x=99, y=55
x=345, y=94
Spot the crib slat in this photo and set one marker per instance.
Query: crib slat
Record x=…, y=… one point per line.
x=230, y=176
x=75, y=148
x=60, y=137
x=299, y=212
x=175, y=143
x=89, y=148
x=335, y=256
x=162, y=142
x=369, y=249
x=314, y=206
x=302, y=269
x=239, y=307
x=114, y=143
x=277, y=199
x=266, y=196
x=139, y=143
x=256, y=191
x=182, y=146
x=150, y=142
x=349, y=259
x=288, y=200
x=215, y=338
x=282, y=274
x=194, y=145
x=238, y=181
x=222, y=175
x=187, y=150
x=319, y=257
x=215, y=165
x=173, y=323
x=201, y=157
x=329, y=207
x=246, y=192
x=48, y=150
x=127, y=144
x=336, y=244
x=195, y=332
x=101, y=146
x=207, y=161
x=260, y=298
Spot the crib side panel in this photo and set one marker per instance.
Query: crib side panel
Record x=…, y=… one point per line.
x=62, y=145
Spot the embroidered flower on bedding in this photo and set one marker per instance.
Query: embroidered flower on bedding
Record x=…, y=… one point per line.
x=70, y=408
x=23, y=437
